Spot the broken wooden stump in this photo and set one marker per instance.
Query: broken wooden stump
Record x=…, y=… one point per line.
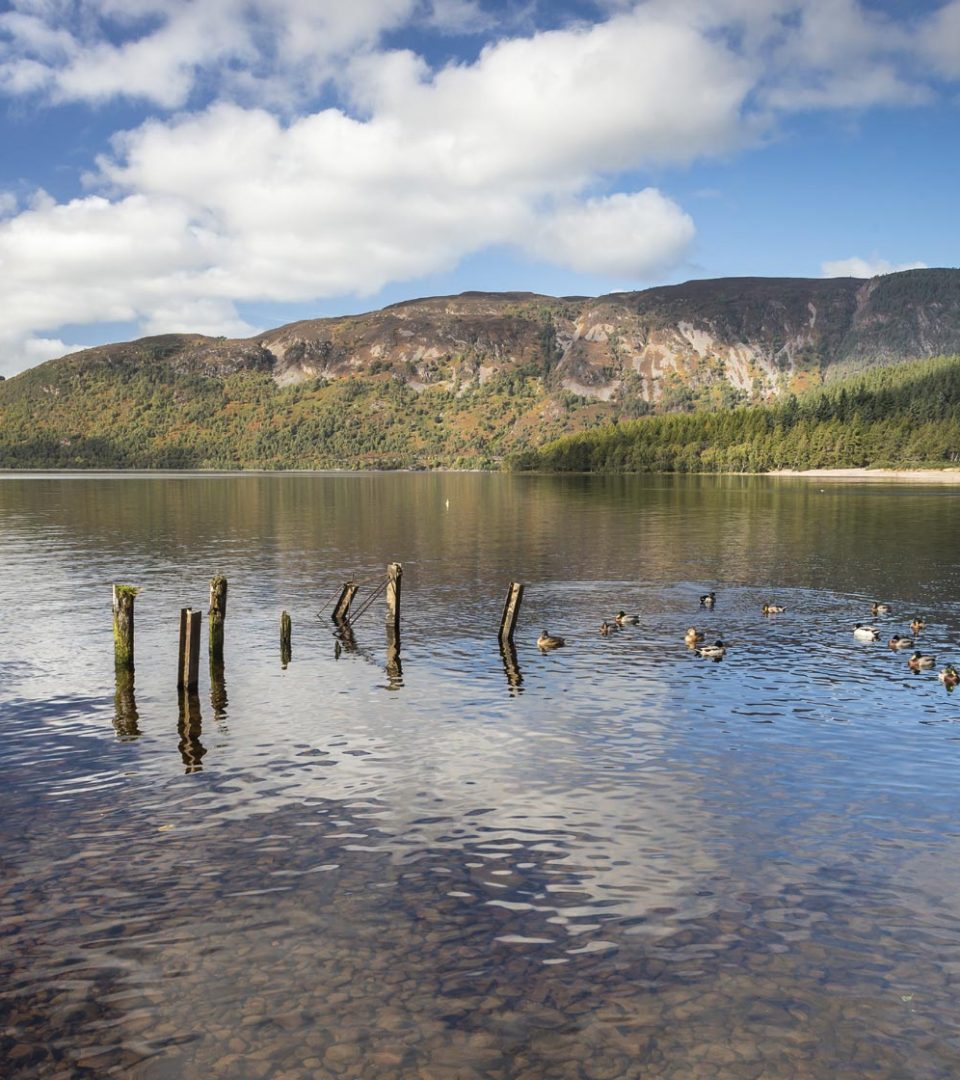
x=217, y=613
x=511, y=611
x=188, y=656
x=123, y=597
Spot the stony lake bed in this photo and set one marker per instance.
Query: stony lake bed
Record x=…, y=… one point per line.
x=613, y=859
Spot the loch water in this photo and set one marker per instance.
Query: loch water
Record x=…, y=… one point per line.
x=611, y=860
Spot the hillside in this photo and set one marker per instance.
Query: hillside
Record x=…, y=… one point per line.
x=465, y=381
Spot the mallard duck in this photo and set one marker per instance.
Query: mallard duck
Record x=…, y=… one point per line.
x=919, y=662
x=881, y=609
x=693, y=636
x=898, y=642
x=549, y=641
x=607, y=628
x=917, y=625
x=866, y=633
x=708, y=599
x=712, y=652
x=773, y=609
x=950, y=677
x=623, y=619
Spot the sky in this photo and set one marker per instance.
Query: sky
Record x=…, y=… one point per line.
x=220, y=167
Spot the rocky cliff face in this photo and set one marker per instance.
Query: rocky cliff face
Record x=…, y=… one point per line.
x=705, y=342
x=756, y=336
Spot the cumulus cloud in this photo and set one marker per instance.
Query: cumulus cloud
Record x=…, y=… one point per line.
x=865, y=268
x=625, y=235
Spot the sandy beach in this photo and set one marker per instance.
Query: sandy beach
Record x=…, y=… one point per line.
x=912, y=476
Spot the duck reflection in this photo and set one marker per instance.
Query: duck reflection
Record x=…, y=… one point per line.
x=191, y=749
x=126, y=720
x=511, y=667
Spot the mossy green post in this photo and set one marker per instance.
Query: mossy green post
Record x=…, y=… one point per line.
x=123, y=597
x=218, y=612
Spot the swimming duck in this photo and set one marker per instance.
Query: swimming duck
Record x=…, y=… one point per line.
x=950, y=677
x=898, y=642
x=919, y=662
x=549, y=641
x=693, y=636
x=607, y=628
x=881, y=609
x=623, y=619
x=917, y=625
x=866, y=633
x=773, y=609
x=712, y=652
x=708, y=599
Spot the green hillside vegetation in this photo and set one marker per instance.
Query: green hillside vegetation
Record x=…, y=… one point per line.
x=905, y=416
x=144, y=412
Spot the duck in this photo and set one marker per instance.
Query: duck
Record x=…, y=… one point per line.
x=950, y=677
x=708, y=599
x=866, y=633
x=919, y=662
x=773, y=609
x=693, y=636
x=898, y=642
x=623, y=619
x=881, y=609
x=607, y=628
x=549, y=641
x=712, y=652
x=917, y=625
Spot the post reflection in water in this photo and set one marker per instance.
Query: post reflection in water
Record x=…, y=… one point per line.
x=218, y=690
x=511, y=667
x=189, y=728
x=394, y=668
x=126, y=719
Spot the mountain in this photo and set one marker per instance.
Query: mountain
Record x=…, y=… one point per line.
x=465, y=380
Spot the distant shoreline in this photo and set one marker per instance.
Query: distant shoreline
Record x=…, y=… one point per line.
x=913, y=476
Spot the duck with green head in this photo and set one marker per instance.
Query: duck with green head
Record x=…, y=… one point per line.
x=919, y=662
x=950, y=677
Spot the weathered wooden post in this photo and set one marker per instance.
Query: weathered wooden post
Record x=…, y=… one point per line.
x=123, y=597
x=285, y=635
x=394, y=577
x=217, y=613
x=347, y=593
x=511, y=611
x=188, y=659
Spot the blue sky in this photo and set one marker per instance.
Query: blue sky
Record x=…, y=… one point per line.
x=224, y=167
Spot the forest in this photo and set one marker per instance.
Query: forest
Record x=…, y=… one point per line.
x=902, y=416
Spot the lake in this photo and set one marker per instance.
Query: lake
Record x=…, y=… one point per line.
x=613, y=859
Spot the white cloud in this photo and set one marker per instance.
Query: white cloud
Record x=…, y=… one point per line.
x=865, y=268
x=633, y=236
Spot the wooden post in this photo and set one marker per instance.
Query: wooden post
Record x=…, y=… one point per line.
x=347, y=593
x=511, y=610
x=123, y=597
x=285, y=634
x=188, y=659
x=394, y=576
x=217, y=613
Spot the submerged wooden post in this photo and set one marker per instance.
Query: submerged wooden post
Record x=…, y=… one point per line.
x=188, y=658
x=347, y=593
x=285, y=635
x=394, y=576
x=511, y=610
x=123, y=597
x=217, y=613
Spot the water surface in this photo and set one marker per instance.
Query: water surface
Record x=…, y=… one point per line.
x=611, y=860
